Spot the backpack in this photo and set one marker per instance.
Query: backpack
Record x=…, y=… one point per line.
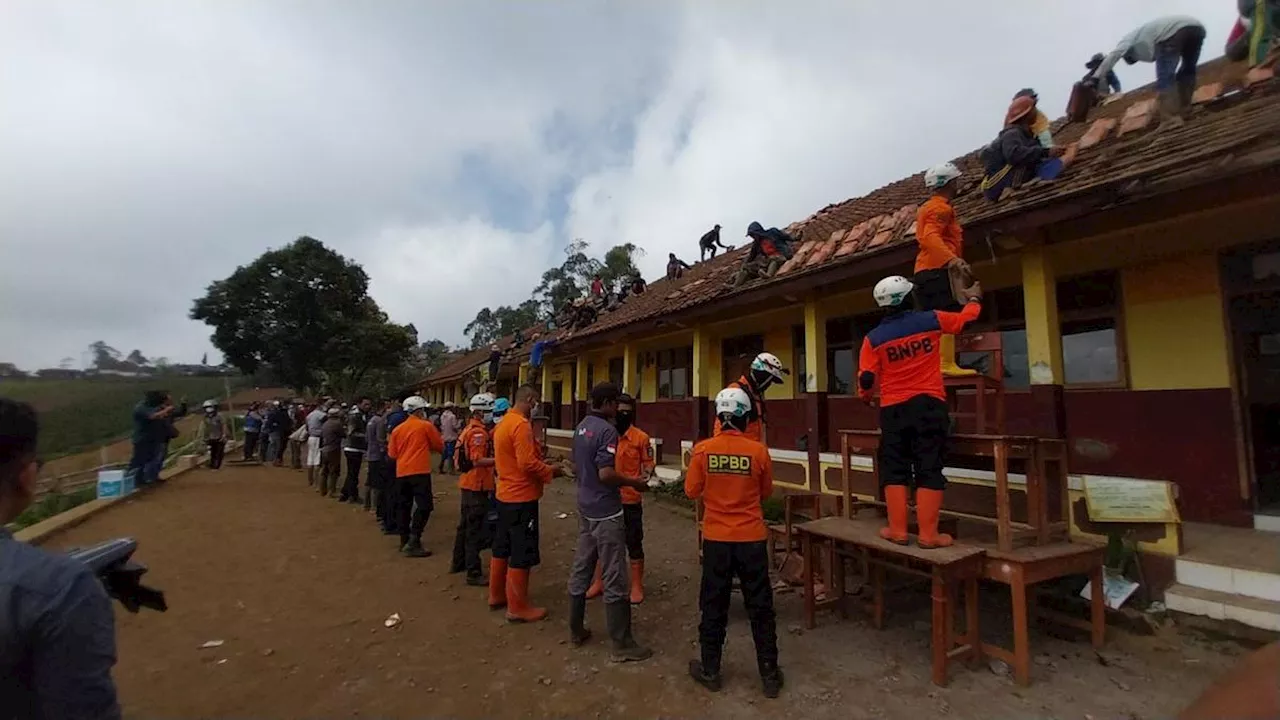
x=462, y=460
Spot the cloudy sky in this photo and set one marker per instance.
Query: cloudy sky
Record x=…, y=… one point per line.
x=454, y=147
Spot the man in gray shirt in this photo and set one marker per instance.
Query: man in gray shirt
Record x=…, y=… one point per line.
x=57, y=631
x=601, y=532
x=375, y=478
x=315, y=420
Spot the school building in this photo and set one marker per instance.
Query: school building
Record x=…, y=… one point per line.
x=1132, y=309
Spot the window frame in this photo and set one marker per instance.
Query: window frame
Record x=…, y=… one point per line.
x=1113, y=313
x=867, y=320
x=666, y=361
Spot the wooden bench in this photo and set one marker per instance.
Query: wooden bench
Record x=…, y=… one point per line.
x=1045, y=462
x=946, y=569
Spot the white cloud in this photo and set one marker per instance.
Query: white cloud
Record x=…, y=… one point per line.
x=149, y=148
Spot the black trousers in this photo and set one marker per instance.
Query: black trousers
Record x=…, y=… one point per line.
x=516, y=538
x=633, y=524
x=250, y=445
x=217, y=448
x=913, y=443
x=351, y=487
x=470, y=536
x=415, y=503
x=263, y=446
x=749, y=563
x=390, y=497
x=933, y=290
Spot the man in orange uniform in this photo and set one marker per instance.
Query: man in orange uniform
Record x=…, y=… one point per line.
x=475, y=462
x=410, y=446
x=732, y=474
x=902, y=353
x=941, y=248
x=521, y=477
x=634, y=459
x=766, y=369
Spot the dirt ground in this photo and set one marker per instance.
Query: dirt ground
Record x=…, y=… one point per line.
x=298, y=588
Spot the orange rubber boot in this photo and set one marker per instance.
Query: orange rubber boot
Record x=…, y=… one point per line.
x=637, y=582
x=518, y=608
x=895, y=499
x=597, y=585
x=497, y=584
x=928, y=507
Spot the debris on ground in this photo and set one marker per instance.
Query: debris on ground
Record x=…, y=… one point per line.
x=392, y=620
x=212, y=644
x=561, y=516
x=1000, y=667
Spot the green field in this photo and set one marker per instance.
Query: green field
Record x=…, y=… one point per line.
x=80, y=414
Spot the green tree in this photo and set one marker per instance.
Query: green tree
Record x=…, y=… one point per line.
x=105, y=357
x=301, y=311
x=568, y=282
x=619, y=265
x=491, y=325
x=136, y=357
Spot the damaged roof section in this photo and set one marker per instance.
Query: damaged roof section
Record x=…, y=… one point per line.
x=1236, y=113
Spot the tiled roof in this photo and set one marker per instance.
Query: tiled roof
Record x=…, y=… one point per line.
x=1117, y=148
x=474, y=359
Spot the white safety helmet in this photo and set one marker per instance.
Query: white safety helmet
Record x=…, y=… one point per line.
x=891, y=291
x=414, y=403
x=939, y=175
x=482, y=402
x=732, y=402
x=769, y=363
x=209, y=404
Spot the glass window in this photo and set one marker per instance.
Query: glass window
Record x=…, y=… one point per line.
x=736, y=354
x=841, y=366
x=674, y=371
x=616, y=372
x=844, y=342
x=1089, y=353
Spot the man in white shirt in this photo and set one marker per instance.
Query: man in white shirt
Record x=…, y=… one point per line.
x=448, y=431
x=1173, y=43
x=315, y=420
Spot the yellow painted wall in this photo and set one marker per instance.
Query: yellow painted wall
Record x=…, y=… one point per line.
x=1175, y=333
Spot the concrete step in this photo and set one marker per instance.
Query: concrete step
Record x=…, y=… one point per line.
x=1216, y=605
x=1227, y=579
x=1267, y=522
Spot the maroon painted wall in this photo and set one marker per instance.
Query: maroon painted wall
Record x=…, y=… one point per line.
x=786, y=423
x=669, y=420
x=1183, y=436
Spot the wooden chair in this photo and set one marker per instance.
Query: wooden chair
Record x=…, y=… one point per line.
x=988, y=416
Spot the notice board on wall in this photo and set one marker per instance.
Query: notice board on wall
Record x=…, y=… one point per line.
x=1123, y=500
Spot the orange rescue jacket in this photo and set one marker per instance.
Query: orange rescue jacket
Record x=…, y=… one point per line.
x=732, y=474
x=476, y=442
x=411, y=445
x=938, y=233
x=902, y=353
x=633, y=459
x=520, y=469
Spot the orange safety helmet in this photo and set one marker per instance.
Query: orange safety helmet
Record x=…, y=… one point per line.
x=1018, y=109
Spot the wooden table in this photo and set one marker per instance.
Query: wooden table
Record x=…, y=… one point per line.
x=1045, y=462
x=946, y=568
x=1024, y=567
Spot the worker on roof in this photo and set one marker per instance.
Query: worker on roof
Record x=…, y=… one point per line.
x=1173, y=43
x=901, y=354
x=475, y=462
x=1259, y=20
x=1108, y=84
x=675, y=267
x=766, y=369
x=634, y=459
x=770, y=250
x=710, y=243
x=522, y=476
x=941, y=255
x=411, y=445
x=1039, y=122
x=732, y=475
x=1016, y=155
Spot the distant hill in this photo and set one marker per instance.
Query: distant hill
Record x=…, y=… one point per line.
x=78, y=413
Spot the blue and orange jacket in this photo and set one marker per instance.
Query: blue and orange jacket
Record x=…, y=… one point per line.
x=902, y=352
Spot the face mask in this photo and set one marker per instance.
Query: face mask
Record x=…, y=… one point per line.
x=210, y=411
x=624, y=420
x=488, y=418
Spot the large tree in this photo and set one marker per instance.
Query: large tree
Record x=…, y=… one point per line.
x=569, y=281
x=304, y=312
x=492, y=325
